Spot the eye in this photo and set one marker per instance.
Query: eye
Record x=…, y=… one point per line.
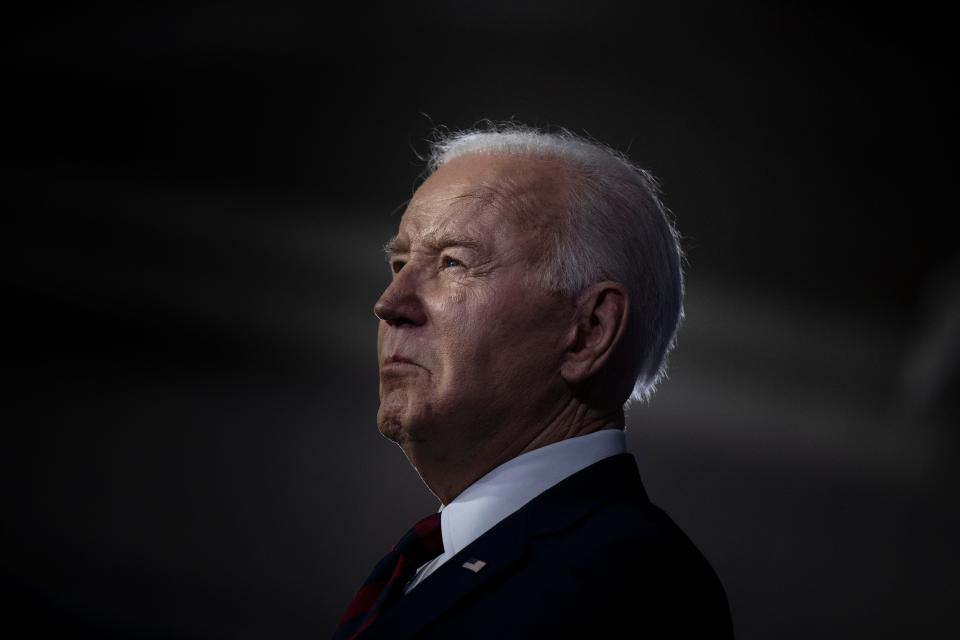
x=446, y=262
x=396, y=265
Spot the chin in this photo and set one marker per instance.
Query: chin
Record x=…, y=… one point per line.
x=397, y=413
x=390, y=424
x=399, y=424
x=394, y=424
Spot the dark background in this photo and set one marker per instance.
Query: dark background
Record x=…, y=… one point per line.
x=197, y=199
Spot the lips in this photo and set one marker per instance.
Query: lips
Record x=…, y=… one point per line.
x=397, y=360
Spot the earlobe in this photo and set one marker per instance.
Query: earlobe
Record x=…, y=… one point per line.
x=601, y=320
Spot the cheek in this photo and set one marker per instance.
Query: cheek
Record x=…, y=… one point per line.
x=476, y=335
x=461, y=334
x=488, y=338
x=521, y=342
x=455, y=309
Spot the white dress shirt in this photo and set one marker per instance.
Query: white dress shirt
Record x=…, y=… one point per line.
x=513, y=484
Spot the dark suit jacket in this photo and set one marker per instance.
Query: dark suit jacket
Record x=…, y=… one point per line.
x=589, y=557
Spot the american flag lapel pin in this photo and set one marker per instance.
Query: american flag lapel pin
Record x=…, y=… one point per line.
x=474, y=565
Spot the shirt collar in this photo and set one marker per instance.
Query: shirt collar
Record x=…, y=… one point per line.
x=517, y=481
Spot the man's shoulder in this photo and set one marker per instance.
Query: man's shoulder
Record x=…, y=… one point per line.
x=629, y=555
x=606, y=506
x=633, y=523
x=639, y=532
x=632, y=529
x=600, y=519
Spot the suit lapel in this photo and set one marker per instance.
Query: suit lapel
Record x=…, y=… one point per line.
x=503, y=546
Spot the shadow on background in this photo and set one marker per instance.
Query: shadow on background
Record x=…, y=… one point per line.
x=198, y=198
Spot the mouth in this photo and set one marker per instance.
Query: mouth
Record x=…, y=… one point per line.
x=398, y=362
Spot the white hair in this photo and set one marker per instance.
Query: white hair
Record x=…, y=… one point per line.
x=614, y=227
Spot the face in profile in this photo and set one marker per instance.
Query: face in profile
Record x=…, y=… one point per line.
x=465, y=344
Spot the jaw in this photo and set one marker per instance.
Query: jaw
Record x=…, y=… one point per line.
x=403, y=412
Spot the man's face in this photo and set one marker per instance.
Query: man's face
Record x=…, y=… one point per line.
x=465, y=346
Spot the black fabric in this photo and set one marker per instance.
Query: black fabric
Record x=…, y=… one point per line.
x=589, y=557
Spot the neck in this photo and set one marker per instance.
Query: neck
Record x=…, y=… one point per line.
x=449, y=473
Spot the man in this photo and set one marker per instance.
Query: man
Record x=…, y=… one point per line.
x=536, y=289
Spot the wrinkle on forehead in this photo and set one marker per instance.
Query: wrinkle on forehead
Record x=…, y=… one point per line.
x=452, y=217
x=511, y=205
x=488, y=195
x=527, y=190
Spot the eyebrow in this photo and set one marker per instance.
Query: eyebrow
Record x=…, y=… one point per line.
x=432, y=242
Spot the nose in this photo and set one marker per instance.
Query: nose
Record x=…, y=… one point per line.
x=401, y=303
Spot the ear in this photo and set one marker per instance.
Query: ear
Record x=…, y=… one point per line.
x=600, y=323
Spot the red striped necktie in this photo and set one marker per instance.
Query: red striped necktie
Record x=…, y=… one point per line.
x=422, y=543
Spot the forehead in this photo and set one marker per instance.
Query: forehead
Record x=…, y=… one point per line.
x=484, y=194
x=457, y=209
